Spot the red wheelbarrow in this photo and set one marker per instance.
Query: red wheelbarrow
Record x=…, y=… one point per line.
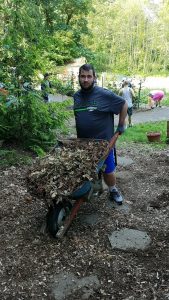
x=60, y=215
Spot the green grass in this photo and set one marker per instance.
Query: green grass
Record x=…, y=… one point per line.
x=138, y=133
x=13, y=158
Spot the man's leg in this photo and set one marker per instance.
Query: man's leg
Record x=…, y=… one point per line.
x=110, y=179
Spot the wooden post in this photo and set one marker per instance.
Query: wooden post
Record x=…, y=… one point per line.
x=167, y=129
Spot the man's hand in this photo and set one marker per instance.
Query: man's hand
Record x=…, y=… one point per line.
x=120, y=129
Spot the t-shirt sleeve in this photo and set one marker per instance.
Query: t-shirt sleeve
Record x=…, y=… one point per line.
x=115, y=102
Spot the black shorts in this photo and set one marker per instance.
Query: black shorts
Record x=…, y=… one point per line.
x=130, y=111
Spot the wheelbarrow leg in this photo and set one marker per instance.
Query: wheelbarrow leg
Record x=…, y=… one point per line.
x=63, y=229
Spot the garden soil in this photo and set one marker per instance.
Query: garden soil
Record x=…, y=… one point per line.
x=34, y=265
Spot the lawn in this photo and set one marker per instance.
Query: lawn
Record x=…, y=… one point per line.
x=138, y=133
x=135, y=134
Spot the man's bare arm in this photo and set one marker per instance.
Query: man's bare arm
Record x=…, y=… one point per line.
x=123, y=114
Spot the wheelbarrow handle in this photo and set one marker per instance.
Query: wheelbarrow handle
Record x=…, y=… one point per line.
x=110, y=146
x=113, y=141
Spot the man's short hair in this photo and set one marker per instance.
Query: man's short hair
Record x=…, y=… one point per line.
x=46, y=75
x=126, y=82
x=87, y=67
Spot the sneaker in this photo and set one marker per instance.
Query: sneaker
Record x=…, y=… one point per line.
x=116, y=196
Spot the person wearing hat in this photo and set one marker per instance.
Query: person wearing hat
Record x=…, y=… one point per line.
x=45, y=87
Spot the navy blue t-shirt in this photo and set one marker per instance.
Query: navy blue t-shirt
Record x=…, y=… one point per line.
x=94, y=112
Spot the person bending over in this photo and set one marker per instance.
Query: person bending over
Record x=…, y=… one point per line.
x=155, y=97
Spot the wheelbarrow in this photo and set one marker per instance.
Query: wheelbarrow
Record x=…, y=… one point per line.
x=60, y=215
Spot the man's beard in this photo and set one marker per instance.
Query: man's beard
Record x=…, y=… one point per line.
x=87, y=88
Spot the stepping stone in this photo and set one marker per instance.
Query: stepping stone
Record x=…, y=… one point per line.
x=124, y=176
x=66, y=283
x=90, y=219
x=127, y=239
x=124, y=161
x=125, y=208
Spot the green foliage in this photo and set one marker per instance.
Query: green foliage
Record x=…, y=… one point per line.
x=138, y=133
x=38, y=35
x=19, y=47
x=113, y=87
x=63, y=88
x=134, y=38
x=13, y=158
x=38, y=150
x=31, y=121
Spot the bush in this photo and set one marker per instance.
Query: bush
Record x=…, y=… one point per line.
x=32, y=122
x=13, y=158
x=66, y=88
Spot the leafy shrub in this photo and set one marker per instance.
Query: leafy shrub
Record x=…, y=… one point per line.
x=32, y=122
x=64, y=88
x=12, y=157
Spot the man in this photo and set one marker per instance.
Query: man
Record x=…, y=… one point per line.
x=45, y=87
x=94, y=109
x=128, y=94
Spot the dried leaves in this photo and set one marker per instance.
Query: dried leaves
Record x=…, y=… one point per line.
x=63, y=171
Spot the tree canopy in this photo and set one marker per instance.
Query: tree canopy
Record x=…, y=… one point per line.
x=40, y=34
x=120, y=35
x=130, y=36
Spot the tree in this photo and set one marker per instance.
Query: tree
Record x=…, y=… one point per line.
x=36, y=34
x=125, y=35
x=21, y=42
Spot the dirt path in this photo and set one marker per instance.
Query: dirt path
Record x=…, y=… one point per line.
x=35, y=266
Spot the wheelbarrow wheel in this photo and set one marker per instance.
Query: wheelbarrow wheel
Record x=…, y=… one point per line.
x=57, y=215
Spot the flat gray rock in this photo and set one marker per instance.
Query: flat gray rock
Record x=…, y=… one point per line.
x=66, y=283
x=124, y=176
x=124, y=161
x=90, y=219
x=125, y=208
x=127, y=239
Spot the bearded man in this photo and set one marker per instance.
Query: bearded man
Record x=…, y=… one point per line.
x=94, y=109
